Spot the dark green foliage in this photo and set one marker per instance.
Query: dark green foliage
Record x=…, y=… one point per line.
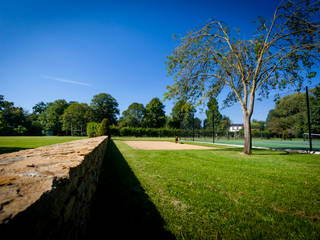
x=213, y=108
x=92, y=129
x=154, y=115
x=104, y=127
x=182, y=115
x=75, y=118
x=315, y=109
x=133, y=116
x=39, y=107
x=50, y=117
x=290, y=114
x=144, y=132
x=105, y=106
x=13, y=120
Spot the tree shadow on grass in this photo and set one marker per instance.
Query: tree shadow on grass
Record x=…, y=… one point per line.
x=10, y=149
x=122, y=209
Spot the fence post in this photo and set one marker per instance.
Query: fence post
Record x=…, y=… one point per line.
x=309, y=122
x=212, y=126
x=193, y=127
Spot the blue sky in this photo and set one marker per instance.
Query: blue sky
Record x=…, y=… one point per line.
x=75, y=49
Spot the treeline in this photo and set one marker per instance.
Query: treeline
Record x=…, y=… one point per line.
x=100, y=117
x=56, y=118
x=72, y=118
x=289, y=118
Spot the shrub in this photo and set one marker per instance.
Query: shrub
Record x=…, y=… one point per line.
x=92, y=129
x=104, y=128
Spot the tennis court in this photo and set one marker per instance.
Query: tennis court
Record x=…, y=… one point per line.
x=296, y=144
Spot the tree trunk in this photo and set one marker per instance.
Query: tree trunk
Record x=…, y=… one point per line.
x=247, y=133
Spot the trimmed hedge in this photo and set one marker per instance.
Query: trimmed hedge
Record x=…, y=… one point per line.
x=143, y=132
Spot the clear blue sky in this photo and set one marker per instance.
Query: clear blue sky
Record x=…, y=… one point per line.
x=75, y=49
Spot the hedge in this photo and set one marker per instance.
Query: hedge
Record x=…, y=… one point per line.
x=143, y=132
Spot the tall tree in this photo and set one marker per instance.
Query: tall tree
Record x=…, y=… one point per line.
x=213, y=110
x=12, y=119
x=75, y=118
x=155, y=115
x=182, y=115
x=133, y=116
x=289, y=115
x=50, y=117
x=315, y=109
x=281, y=52
x=39, y=107
x=105, y=106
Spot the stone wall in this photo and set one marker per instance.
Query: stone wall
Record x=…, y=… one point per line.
x=46, y=193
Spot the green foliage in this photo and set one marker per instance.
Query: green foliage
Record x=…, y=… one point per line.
x=154, y=115
x=20, y=130
x=182, y=115
x=13, y=119
x=105, y=106
x=104, y=127
x=289, y=116
x=39, y=107
x=75, y=118
x=213, y=108
x=50, y=117
x=144, y=132
x=133, y=116
x=92, y=129
x=315, y=109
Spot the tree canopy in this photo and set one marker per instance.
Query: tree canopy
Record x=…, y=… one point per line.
x=290, y=114
x=213, y=110
x=50, y=117
x=154, y=115
x=105, y=106
x=75, y=118
x=133, y=116
x=281, y=52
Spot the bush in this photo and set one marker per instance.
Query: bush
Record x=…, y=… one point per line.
x=143, y=132
x=104, y=128
x=92, y=129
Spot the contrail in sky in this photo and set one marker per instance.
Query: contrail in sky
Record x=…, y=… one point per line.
x=66, y=81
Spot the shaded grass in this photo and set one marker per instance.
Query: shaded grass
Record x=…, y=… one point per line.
x=122, y=209
x=211, y=194
x=17, y=143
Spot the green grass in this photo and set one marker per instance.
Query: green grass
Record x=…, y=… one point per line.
x=224, y=194
x=297, y=144
x=13, y=144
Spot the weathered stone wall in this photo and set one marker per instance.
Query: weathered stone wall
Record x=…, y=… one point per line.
x=46, y=193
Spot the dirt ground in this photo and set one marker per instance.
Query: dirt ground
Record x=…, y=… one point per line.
x=160, y=145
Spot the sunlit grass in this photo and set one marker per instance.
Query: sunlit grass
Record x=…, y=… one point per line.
x=16, y=143
x=210, y=194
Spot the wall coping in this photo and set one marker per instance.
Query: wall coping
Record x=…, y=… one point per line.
x=26, y=175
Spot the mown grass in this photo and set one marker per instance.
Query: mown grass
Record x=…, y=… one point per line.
x=16, y=143
x=224, y=194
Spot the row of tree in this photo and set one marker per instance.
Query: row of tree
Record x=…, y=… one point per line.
x=289, y=118
x=57, y=118
x=71, y=118
x=60, y=117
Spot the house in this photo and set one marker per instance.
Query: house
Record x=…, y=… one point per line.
x=235, y=127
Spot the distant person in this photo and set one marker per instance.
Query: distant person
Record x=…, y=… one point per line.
x=177, y=139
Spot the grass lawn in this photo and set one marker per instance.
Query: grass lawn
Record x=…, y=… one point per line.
x=13, y=144
x=217, y=194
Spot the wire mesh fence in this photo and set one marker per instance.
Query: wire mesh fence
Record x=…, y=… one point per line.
x=210, y=135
